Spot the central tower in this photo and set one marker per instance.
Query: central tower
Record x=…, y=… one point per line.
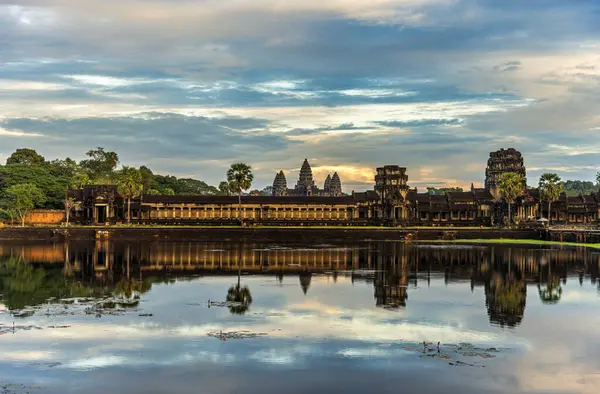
x=500, y=162
x=306, y=184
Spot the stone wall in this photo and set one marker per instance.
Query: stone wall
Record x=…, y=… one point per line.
x=39, y=217
x=45, y=216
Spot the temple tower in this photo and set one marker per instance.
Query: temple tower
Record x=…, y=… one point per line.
x=504, y=160
x=280, y=185
x=306, y=184
x=327, y=184
x=392, y=188
x=335, y=186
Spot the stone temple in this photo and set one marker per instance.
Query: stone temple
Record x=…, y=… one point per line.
x=502, y=161
x=306, y=185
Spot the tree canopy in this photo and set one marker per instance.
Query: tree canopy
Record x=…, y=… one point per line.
x=26, y=156
x=21, y=199
x=54, y=177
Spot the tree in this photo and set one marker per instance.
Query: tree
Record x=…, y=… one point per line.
x=267, y=191
x=70, y=203
x=442, y=191
x=551, y=188
x=26, y=156
x=22, y=198
x=240, y=178
x=224, y=188
x=51, y=185
x=66, y=168
x=129, y=186
x=598, y=178
x=511, y=187
x=80, y=180
x=101, y=163
x=147, y=179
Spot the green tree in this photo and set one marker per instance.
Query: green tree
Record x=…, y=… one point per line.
x=148, y=182
x=129, y=186
x=551, y=187
x=224, y=188
x=511, y=186
x=598, y=178
x=26, y=156
x=22, y=198
x=240, y=178
x=442, y=191
x=80, y=180
x=67, y=168
x=101, y=164
x=51, y=185
x=267, y=191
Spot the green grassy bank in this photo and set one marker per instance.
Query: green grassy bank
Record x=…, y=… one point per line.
x=512, y=242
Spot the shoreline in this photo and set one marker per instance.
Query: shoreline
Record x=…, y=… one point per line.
x=301, y=234
x=263, y=234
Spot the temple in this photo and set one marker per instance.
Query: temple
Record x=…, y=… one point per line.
x=306, y=185
x=391, y=202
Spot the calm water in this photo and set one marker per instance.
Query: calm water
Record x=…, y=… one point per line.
x=175, y=318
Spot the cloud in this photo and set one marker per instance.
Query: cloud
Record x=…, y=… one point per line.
x=356, y=84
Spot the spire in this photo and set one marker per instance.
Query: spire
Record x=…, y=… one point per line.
x=280, y=184
x=335, y=186
x=305, y=185
x=327, y=183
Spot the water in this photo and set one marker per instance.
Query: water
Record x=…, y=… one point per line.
x=170, y=318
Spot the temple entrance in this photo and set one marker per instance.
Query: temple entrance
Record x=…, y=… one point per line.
x=100, y=214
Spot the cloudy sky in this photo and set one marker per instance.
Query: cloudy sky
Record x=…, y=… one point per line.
x=189, y=86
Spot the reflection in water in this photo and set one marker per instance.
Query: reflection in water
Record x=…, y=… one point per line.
x=289, y=318
x=32, y=274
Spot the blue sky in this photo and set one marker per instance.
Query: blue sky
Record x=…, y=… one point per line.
x=188, y=87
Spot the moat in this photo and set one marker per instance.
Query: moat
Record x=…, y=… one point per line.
x=227, y=317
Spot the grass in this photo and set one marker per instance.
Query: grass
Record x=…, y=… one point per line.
x=505, y=241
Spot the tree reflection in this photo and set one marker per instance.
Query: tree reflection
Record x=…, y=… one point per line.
x=239, y=298
x=551, y=292
x=505, y=298
x=23, y=284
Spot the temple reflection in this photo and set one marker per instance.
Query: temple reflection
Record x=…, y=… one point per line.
x=33, y=273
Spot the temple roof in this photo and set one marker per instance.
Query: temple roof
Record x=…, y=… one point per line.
x=369, y=195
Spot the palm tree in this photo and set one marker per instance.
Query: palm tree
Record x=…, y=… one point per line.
x=551, y=186
x=240, y=178
x=129, y=186
x=511, y=186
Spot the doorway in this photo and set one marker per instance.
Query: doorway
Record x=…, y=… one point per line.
x=101, y=214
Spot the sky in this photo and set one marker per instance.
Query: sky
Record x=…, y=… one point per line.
x=189, y=87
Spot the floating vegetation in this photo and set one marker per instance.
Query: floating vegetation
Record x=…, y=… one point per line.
x=16, y=388
x=80, y=306
x=7, y=329
x=13, y=328
x=227, y=335
x=451, y=352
